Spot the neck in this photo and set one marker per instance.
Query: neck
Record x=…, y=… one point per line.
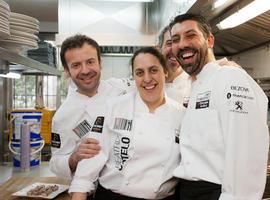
x=91, y=93
x=172, y=75
x=152, y=106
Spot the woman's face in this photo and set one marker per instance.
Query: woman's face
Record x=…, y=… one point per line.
x=150, y=79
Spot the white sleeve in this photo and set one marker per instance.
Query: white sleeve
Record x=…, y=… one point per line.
x=88, y=170
x=124, y=84
x=241, y=108
x=62, y=147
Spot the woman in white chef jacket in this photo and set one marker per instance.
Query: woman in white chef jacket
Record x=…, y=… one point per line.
x=139, y=140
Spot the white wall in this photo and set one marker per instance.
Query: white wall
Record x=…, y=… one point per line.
x=256, y=62
x=115, y=66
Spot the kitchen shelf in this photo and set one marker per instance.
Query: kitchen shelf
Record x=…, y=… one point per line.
x=26, y=65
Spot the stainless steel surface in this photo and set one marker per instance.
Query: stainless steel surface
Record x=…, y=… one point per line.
x=28, y=65
x=7, y=171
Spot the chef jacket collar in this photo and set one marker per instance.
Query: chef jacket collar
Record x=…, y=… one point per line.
x=141, y=107
x=207, y=71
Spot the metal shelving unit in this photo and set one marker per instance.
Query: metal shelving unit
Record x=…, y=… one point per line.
x=10, y=61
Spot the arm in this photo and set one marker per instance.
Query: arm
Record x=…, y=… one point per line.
x=65, y=155
x=88, y=148
x=79, y=196
x=243, y=117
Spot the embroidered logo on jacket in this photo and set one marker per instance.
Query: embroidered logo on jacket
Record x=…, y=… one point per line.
x=98, y=125
x=122, y=124
x=202, y=100
x=120, y=151
x=82, y=129
x=56, y=142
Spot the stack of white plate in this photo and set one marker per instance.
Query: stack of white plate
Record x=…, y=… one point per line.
x=4, y=20
x=22, y=33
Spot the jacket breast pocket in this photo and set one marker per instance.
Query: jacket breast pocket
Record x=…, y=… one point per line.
x=205, y=129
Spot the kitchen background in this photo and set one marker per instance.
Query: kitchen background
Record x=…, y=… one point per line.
x=120, y=27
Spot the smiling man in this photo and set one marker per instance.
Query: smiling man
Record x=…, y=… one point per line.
x=224, y=137
x=82, y=113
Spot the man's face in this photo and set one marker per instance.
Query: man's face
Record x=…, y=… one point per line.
x=166, y=51
x=190, y=46
x=84, y=68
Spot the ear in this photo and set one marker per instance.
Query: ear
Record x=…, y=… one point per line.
x=67, y=73
x=210, y=41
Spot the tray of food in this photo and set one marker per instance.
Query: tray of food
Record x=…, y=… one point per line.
x=41, y=190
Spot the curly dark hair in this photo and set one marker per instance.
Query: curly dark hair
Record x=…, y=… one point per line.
x=77, y=41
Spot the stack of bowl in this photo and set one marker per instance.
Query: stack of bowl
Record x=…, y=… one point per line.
x=4, y=20
x=22, y=33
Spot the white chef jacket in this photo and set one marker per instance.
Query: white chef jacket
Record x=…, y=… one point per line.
x=224, y=135
x=71, y=114
x=141, y=150
x=180, y=88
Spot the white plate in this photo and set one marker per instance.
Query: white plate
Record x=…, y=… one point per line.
x=23, y=34
x=24, y=29
x=4, y=5
x=24, y=17
x=22, y=21
x=23, y=192
x=34, y=27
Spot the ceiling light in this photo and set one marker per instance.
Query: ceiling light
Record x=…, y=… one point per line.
x=11, y=75
x=248, y=12
x=219, y=3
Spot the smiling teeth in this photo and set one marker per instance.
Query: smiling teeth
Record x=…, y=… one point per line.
x=187, y=55
x=149, y=87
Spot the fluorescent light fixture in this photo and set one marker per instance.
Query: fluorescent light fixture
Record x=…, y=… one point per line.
x=219, y=3
x=11, y=75
x=248, y=12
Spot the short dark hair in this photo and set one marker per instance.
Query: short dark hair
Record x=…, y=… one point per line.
x=153, y=51
x=77, y=41
x=202, y=22
x=161, y=35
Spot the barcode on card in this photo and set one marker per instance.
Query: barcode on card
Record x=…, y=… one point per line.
x=122, y=124
x=82, y=129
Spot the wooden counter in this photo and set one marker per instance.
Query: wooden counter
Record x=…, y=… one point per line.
x=15, y=184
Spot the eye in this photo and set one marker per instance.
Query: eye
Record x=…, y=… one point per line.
x=175, y=39
x=90, y=62
x=139, y=73
x=169, y=43
x=75, y=65
x=153, y=70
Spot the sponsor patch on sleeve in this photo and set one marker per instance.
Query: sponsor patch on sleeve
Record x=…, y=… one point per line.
x=56, y=141
x=98, y=125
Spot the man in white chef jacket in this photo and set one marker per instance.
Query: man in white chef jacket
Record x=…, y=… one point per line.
x=178, y=82
x=224, y=137
x=80, y=56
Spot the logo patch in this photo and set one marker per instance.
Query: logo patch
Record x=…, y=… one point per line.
x=82, y=129
x=56, y=141
x=120, y=151
x=202, y=100
x=98, y=125
x=239, y=88
x=238, y=107
x=122, y=124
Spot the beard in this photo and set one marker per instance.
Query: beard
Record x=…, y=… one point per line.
x=194, y=67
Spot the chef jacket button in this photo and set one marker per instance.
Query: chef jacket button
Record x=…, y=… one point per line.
x=155, y=190
x=127, y=183
x=162, y=164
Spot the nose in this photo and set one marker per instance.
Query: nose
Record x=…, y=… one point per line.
x=84, y=68
x=147, y=77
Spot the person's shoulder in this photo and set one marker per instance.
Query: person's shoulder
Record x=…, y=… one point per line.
x=122, y=99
